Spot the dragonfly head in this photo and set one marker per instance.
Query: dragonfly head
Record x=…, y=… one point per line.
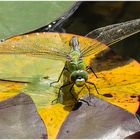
x=79, y=77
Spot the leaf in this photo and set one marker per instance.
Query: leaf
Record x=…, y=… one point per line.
x=118, y=79
x=134, y=136
x=19, y=119
x=21, y=17
x=53, y=117
x=9, y=89
x=118, y=82
x=100, y=120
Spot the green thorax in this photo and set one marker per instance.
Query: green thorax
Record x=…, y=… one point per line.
x=75, y=61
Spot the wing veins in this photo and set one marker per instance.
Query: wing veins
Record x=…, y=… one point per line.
x=120, y=32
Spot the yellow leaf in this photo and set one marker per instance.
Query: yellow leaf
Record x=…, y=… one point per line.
x=118, y=81
x=9, y=89
x=54, y=116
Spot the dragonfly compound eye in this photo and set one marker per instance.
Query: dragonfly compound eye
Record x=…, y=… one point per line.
x=79, y=77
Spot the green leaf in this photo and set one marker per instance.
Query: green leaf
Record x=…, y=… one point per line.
x=24, y=16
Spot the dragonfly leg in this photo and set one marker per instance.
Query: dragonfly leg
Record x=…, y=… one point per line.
x=88, y=91
x=59, y=77
x=94, y=86
x=89, y=96
x=90, y=68
x=85, y=101
x=72, y=93
x=59, y=92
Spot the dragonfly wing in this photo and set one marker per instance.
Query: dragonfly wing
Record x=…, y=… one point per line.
x=96, y=32
x=45, y=45
x=111, y=34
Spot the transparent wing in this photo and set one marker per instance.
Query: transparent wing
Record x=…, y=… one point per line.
x=96, y=32
x=111, y=34
x=45, y=45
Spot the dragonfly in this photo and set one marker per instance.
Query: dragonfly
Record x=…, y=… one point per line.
x=72, y=53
